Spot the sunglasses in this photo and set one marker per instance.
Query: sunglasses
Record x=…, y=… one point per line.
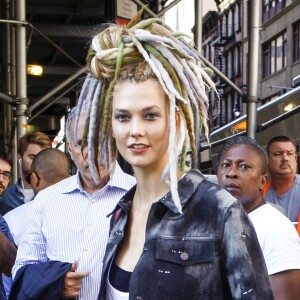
x=28, y=177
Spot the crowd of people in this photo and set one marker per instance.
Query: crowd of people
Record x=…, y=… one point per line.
x=166, y=232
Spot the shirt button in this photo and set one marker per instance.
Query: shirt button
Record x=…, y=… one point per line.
x=85, y=249
x=89, y=223
x=184, y=256
x=139, y=298
x=93, y=201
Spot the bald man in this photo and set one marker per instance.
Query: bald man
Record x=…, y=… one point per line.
x=48, y=167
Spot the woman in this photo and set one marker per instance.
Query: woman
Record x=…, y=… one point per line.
x=174, y=235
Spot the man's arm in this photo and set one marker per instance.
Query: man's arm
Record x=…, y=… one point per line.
x=8, y=252
x=285, y=285
x=32, y=248
x=281, y=247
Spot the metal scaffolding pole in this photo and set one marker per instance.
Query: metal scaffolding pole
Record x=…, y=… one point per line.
x=5, y=69
x=6, y=98
x=253, y=50
x=53, y=101
x=198, y=24
x=166, y=8
x=21, y=95
x=57, y=89
x=13, y=128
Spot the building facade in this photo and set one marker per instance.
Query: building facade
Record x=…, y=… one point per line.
x=279, y=53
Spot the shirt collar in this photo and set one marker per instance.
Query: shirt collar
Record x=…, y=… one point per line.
x=119, y=180
x=73, y=184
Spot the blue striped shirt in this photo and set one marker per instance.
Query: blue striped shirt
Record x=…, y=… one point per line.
x=69, y=224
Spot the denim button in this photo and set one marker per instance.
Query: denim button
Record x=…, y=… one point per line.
x=184, y=256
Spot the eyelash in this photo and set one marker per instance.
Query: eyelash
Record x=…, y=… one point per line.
x=244, y=167
x=224, y=165
x=241, y=166
x=148, y=116
x=121, y=117
x=151, y=116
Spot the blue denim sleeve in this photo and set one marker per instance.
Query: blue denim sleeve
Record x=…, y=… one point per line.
x=5, y=229
x=243, y=259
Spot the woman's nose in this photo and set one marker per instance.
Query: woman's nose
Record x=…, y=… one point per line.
x=136, y=127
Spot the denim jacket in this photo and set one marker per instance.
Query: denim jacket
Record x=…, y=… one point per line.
x=13, y=195
x=210, y=251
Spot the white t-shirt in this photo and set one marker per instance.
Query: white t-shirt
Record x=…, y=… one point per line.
x=278, y=239
x=114, y=294
x=17, y=220
x=28, y=195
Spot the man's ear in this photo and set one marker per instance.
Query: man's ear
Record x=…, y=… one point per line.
x=35, y=181
x=70, y=151
x=263, y=181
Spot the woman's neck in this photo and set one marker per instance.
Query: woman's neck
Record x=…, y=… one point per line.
x=150, y=187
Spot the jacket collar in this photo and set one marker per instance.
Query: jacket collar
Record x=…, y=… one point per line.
x=187, y=185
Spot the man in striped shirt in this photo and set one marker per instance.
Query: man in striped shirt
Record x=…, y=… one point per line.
x=69, y=222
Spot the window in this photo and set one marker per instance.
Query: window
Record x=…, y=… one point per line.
x=230, y=22
x=248, y=15
x=274, y=55
x=232, y=65
x=226, y=65
x=229, y=107
x=238, y=17
x=224, y=25
x=204, y=48
x=296, y=41
x=237, y=64
x=271, y=8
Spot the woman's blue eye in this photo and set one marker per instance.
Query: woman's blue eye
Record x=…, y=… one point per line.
x=121, y=117
x=151, y=116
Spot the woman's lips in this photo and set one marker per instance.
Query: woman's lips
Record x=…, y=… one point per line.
x=138, y=148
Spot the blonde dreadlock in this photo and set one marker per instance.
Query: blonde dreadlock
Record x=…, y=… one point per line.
x=141, y=51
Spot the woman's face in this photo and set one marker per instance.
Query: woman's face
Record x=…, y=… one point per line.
x=140, y=124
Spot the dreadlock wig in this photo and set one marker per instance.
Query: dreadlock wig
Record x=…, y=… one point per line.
x=138, y=52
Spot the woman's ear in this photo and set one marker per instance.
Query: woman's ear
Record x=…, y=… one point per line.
x=110, y=127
